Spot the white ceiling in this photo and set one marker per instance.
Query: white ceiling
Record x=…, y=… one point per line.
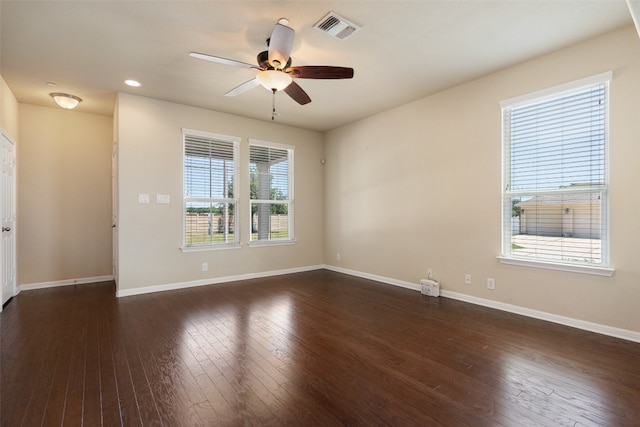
x=405, y=50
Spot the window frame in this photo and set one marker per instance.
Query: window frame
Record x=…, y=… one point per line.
x=235, y=199
x=290, y=202
x=507, y=257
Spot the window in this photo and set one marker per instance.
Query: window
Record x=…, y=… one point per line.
x=271, y=191
x=210, y=188
x=555, y=193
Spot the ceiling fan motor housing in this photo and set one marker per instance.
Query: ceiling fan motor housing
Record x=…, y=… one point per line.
x=263, y=61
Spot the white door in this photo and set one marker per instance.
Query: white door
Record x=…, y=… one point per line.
x=8, y=211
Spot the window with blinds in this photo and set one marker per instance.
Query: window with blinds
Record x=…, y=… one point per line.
x=210, y=181
x=555, y=193
x=271, y=191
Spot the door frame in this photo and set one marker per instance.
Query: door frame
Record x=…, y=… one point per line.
x=8, y=139
x=114, y=212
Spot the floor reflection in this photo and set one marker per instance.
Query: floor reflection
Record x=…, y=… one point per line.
x=241, y=353
x=554, y=389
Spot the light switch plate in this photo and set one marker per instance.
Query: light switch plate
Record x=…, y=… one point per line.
x=162, y=199
x=143, y=198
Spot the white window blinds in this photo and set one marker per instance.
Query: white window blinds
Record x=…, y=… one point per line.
x=555, y=176
x=271, y=191
x=210, y=167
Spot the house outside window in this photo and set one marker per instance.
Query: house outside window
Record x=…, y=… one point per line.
x=271, y=192
x=210, y=189
x=555, y=177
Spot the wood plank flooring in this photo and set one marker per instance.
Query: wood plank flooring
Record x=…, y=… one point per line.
x=309, y=349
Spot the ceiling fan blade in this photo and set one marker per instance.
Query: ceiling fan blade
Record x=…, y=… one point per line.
x=320, y=72
x=297, y=93
x=250, y=84
x=280, y=45
x=220, y=60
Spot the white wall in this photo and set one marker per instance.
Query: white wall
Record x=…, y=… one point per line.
x=64, y=195
x=150, y=162
x=419, y=186
x=8, y=111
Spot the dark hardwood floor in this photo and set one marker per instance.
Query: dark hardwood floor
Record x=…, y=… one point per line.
x=309, y=349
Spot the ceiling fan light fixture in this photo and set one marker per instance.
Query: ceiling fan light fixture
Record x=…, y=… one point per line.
x=65, y=100
x=273, y=79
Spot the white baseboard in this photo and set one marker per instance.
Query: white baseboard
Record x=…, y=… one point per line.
x=624, y=334
x=387, y=280
x=56, y=283
x=211, y=281
x=549, y=317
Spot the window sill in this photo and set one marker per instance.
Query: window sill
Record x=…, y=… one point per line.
x=210, y=248
x=262, y=243
x=573, y=268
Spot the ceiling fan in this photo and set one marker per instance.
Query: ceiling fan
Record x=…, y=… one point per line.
x=275, y=72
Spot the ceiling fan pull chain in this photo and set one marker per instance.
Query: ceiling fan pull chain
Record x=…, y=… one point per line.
x=273, y=105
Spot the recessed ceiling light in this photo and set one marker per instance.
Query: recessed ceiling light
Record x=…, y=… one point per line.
x=132, y=83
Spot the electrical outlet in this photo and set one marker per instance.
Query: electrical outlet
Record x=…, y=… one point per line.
x=205, y=266
x=491, y=283
x=338, y=258
x=429, y=273
x=467, y=279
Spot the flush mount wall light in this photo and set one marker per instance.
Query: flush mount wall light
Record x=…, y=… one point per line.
x=65, y=100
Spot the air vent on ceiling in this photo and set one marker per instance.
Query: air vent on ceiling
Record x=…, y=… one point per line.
x=336, y=26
